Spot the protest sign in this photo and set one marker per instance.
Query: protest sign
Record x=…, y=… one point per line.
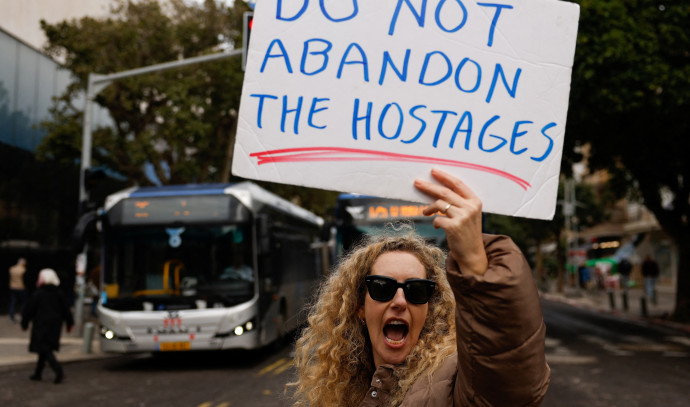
x=364, y=96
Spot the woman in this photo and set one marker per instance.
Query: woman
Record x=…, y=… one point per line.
x=47, y=309
x=391, y=327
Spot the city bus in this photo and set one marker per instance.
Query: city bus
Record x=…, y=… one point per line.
x=359, y=215
x=204, y=267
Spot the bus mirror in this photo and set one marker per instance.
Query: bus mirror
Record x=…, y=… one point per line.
x=326, y=232
x=85, y=226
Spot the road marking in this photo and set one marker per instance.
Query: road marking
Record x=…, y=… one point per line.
x=273, y=366
x=636, y=339
x=551, y=341
x=284, y=367
x=570, y=359
x=615, y=349
x=206, y=404
x=652, y=347
x=562, y=350
x=679, y=339
x=676, y=354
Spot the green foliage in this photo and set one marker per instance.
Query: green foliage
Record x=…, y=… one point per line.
x=182, y=121
x=629, y=101
x=630, y=92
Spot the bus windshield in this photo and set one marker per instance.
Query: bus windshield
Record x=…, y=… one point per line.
x=165, y=268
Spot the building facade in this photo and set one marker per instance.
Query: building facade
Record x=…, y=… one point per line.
x=632, y=232
x=38, y=198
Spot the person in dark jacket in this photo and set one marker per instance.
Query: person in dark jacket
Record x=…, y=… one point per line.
x=46, y=310
x=650, y=272
x=393, y=327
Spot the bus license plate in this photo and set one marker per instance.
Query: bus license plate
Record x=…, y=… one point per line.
x=174, y=346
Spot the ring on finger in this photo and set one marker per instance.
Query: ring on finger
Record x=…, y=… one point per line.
x=446, y=208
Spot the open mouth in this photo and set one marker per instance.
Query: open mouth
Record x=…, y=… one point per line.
x=395, y=332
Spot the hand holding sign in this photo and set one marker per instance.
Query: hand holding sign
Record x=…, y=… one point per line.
x=463, y=220
x=364, y=96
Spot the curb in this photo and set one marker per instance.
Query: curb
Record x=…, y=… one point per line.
x=648, y=321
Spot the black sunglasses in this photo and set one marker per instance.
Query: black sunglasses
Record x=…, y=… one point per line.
x=417, y=290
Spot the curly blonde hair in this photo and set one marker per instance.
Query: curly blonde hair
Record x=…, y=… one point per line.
x=333, y=355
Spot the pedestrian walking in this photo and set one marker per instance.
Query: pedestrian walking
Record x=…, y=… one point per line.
x=624, y=269
x=17, y=288
x=393, y=327
x=46, y=310
x=650, y=272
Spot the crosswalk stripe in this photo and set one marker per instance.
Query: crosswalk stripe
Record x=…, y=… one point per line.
x=671, y=354
x=570, y=359
x=679, y=339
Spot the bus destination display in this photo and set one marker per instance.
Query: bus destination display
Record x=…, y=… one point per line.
x=385, y=211
x=171, y=209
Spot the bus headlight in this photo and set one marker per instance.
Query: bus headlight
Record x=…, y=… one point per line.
x=107, y=333
x=244, y=328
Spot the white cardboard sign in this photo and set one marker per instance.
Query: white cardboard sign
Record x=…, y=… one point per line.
x=364, y=96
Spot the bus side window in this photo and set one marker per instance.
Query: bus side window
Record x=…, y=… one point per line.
x=263, y=230
x=265, y=252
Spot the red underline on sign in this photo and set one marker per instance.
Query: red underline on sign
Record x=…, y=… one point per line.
x=311, y=154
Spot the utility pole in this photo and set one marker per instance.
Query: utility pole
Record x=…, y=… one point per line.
x=569, y=205
x=96, y=83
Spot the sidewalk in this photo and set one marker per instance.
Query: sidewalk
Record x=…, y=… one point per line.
x=601, y=301
x=14, y=345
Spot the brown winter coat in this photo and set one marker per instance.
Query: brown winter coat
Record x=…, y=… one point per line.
x=500, y=331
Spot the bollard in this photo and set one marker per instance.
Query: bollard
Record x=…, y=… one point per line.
x=643, y=306
x=625, y=301
x=88, y=336
x=612, y=300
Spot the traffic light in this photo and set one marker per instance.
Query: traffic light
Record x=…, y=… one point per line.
x=248, y=19
x=93, y=180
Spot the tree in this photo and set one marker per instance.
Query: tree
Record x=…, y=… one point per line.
x=629, y=99
x=178, y=123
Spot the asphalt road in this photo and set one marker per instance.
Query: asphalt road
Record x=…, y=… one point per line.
x=596, y=360
x=213, y=379
x=599, y=360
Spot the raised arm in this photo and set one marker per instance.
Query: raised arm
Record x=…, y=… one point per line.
x=500, y=329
